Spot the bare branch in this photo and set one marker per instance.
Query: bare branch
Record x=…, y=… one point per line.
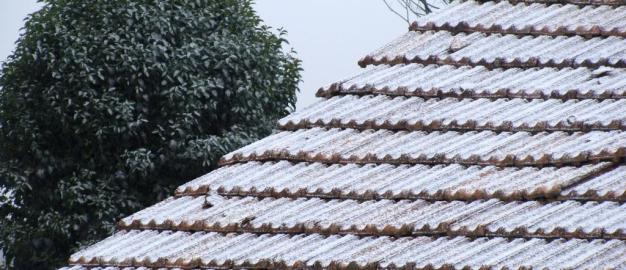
x=413, y=6
x=395, y=12
x=416, y=8
x=427, y=6
x=408, y=17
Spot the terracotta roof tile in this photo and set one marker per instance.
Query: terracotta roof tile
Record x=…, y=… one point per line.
x=609, y=186
x=496, y=50
x=503, y=142
x=470, y=148
x=567, y=219
x=563, y=2
x=522, y=18
x=480, y=82
x=200, y=249
x=415, y=113
x=385, y=181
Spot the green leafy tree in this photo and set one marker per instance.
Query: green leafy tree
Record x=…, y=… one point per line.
x=106, y=106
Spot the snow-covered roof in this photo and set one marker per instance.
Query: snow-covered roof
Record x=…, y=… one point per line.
x=490, y=136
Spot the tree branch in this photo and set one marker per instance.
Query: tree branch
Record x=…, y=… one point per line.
x=395, y=12
x=417, y=8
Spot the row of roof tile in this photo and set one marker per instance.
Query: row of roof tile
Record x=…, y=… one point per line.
x=414, y=113
x=385, y=181
x=496, y=50
x=184, y=249
x=537, y=19
x=480, y=82
x=470, y=148
x=569, y=219
x=561, y=2
x=81, y=267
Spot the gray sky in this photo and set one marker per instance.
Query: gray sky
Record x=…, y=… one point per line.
x=329, y=35
x=12, y=14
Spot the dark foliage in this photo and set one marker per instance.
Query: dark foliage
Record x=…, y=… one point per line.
x=106, y=106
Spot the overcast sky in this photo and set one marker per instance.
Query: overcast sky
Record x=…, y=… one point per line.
x=329, y=35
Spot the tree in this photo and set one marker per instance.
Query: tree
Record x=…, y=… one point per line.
x=409, y=10
x=106, y=106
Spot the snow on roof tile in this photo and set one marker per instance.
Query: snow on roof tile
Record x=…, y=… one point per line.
x=385, y=181
x=525, y=169
x=608, y=186
x=80, y=267
x=471, y=148
x=522, y=18
x=563, y=2
x=415, y=113
x=566, y=219
x=480, y=82
x=200, y=249
x=496, y=50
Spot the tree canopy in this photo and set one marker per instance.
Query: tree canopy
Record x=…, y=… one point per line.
x=106, y=106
